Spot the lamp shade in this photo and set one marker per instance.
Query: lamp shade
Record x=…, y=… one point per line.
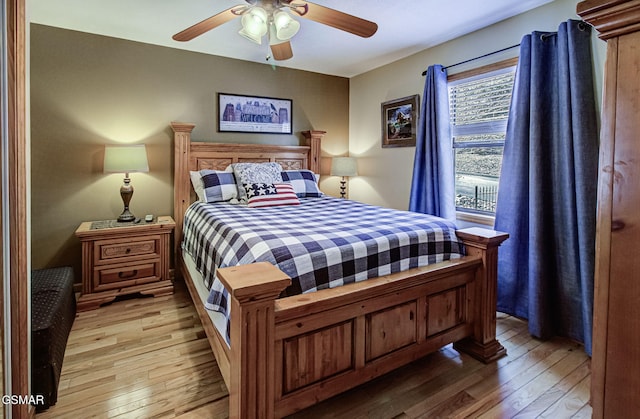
x=125, y=158
x=254, y=24
x=285, y=25
x=344, y=166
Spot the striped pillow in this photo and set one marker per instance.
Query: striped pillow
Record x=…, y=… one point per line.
x=270, y=195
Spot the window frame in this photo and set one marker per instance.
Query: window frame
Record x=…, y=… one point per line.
x=470, y=215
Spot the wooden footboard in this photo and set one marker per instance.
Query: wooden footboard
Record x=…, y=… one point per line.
x=287, y=354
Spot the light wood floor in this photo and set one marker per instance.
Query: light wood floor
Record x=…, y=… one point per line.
x=149, y=358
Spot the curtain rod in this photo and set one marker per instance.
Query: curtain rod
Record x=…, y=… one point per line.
x=424, y=73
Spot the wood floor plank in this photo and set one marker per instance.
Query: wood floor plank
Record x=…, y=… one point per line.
x=510, y=377
x=585, y=413
x=529, y=392
x=576, y=400
x=557, y=392
x=149, y=358
x=446, y=401
x=420, y=398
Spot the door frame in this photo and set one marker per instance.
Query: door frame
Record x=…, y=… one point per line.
x=15, y=207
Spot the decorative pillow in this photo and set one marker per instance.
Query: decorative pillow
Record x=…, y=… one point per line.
x=270, y=195
x=198, y=185
x=214, y=186
x=304, y=182
x=249, y=173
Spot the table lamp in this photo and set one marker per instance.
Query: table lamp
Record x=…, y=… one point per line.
x=343, y=166
x=125, y=159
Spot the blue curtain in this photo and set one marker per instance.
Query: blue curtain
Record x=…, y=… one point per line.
x=432, y=185
x=547, y=197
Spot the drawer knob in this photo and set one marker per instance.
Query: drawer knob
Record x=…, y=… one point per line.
x=128, y=250
x=124, y=275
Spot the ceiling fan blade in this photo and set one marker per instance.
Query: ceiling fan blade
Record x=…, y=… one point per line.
x=281, y=51
x=208, y=24
x=334, y=18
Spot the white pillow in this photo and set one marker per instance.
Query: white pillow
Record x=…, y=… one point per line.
x=250, y=173
x=198, y=185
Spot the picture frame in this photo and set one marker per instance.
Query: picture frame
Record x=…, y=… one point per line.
x=399, y=121
x=254, y=114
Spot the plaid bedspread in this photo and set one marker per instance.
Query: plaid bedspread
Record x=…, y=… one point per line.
x=322, y=243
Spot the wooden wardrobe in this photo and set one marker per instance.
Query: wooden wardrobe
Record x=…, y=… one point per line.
x=615, y=366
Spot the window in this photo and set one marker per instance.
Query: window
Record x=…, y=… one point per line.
x=479, y=108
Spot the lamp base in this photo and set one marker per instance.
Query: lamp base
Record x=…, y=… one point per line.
x=126, y=216
x=126, y=192
x=343, y=187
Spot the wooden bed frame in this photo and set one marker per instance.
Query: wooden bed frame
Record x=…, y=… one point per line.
x=290, y=353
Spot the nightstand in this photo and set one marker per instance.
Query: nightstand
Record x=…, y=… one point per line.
x=124, y=258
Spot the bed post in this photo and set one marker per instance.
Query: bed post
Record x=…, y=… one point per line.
x=314, y=139
x=181, y=182
x=484, y=243
x=253, y=289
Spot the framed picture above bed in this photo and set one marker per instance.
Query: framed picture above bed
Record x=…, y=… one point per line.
x=257, y=114
x=399, y=121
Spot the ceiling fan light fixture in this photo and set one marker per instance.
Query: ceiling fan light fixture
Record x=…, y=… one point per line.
x=286, y=26
x=251, y=36
x=254, y=24
x=258, y=15
x=274, y=19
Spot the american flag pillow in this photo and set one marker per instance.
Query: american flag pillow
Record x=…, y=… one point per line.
x=270, y=195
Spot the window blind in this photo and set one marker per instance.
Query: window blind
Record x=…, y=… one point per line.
x=481, y=100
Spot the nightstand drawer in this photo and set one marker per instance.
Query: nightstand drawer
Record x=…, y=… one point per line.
x=106, y=251
x=117, y=276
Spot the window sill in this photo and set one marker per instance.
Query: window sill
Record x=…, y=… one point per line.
x=469, y=217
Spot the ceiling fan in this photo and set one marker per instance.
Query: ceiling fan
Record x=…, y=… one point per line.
x=273, y=18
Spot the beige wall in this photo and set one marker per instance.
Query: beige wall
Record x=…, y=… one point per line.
x=89, y=90
x=385, y=174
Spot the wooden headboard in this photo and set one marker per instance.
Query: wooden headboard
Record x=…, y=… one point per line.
x=191, y=156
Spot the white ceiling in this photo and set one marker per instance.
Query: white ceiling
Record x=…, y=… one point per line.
x=404, y=27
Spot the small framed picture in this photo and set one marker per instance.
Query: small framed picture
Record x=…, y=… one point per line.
x=256, y=114
x=399, y=121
